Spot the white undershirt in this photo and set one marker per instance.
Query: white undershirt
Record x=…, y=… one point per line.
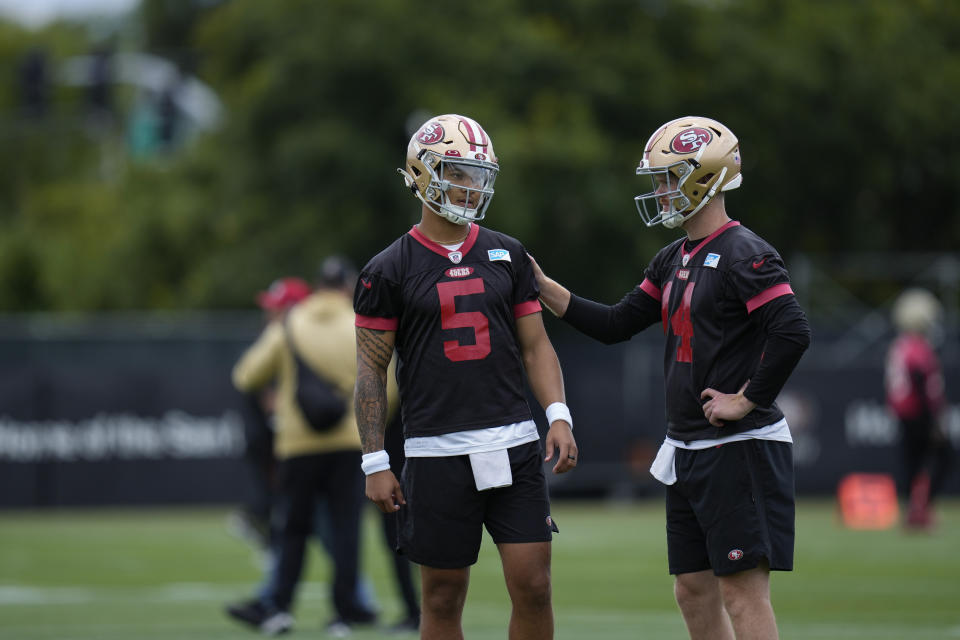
x=663, y=465
x=473, y=441
x=778, y=431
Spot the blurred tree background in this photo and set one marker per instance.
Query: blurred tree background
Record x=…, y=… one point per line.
x=846, y=113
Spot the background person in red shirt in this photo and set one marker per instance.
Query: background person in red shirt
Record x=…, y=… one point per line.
x=915, y=395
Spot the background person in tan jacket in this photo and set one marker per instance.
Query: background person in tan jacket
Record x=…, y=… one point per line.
x=311, y=465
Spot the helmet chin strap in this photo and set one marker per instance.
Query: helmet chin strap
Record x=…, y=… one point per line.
x=448, y=212
x=457, y=218
x=673, y=220
x=408, y=179
x=677, y=218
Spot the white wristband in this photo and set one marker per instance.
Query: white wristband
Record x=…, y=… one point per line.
x=375, y=462
x=559, y=411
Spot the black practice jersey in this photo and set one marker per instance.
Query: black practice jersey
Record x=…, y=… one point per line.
x=459, y=365
x=703, y=297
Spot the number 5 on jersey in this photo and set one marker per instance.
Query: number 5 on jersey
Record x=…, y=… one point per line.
x=451, y=319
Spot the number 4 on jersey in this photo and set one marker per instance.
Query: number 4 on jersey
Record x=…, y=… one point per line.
x=680, y=322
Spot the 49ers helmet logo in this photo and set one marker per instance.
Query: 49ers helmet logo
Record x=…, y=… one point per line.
x=689, y=140
x=431, y=133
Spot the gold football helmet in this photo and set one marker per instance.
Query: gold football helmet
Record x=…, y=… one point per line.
x=689, y=160
x=451, y=167
x=918, y=311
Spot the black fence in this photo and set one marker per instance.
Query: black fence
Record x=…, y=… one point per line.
x=139, y=410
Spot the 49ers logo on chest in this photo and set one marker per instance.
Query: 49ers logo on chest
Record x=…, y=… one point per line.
x=459, y=272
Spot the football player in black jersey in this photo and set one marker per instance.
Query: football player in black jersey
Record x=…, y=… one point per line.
x=459, y=305
x=734, y=333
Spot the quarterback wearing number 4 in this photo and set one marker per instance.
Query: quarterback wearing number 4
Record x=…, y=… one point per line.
x=459, y=304
x=734, y=333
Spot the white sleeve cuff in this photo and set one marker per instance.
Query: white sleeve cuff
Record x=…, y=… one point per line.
x=375, y=462
x=559, y=411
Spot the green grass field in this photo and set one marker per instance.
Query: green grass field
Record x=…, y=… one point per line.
x=149, y=574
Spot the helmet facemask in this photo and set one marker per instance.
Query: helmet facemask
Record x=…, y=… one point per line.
x=667, y=184
x=460, y=189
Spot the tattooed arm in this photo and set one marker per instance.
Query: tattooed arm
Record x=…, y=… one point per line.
x=374, y=350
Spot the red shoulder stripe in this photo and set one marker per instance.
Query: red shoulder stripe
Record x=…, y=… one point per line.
x=379, y=324
x=764, y=297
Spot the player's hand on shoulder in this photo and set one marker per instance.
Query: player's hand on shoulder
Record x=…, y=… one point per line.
x=537, y=271
x=554, y=296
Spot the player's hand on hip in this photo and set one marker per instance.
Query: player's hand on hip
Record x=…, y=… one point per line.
x=385, y=492
x=560, y=441
x=721, y=407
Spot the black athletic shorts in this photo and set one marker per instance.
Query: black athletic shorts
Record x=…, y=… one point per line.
x=442, y=523
x=731, y=507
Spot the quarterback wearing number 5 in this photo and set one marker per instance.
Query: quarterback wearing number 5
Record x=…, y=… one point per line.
x=734, y=332
x=459, y=305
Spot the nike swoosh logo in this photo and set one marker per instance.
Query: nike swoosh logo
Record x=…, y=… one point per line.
x=756, y=265
x=366, y=283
